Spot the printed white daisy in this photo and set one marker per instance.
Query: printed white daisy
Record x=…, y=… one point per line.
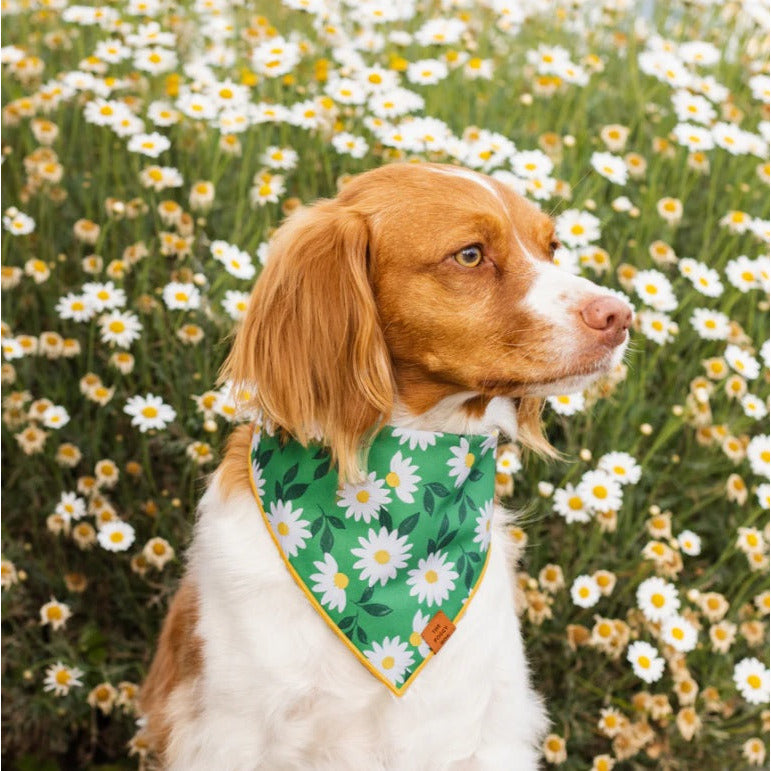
x=120, y=328
x=71, y=506
x=60, y=678
x=710, y=325
x=462, y=461
x=484, y=526
x=149, y=412
x=291, y=531
x=55, y=416
x=657, y=599
x=381, y=555
x=690, y=543
x=364, y=500
x=654, y=289
x=759, y=455
x=678, y=632
x=621, y=466
x=392, y=658
x=610, y=166
x=570, y=505
x=433, y=579
x=645, y=661
x=419, y=623
x=577, y=228
x=116, y=535
x=585, y=591
x=178, y=296
x=402, y=478
x=330, y=583
x=567, y=404
x=742, y=362
x=600, y=491
x=752, y=680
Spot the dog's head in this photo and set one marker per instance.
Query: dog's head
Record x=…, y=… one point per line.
x=418, y=282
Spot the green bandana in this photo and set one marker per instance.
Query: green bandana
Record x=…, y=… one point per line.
x=391, y=563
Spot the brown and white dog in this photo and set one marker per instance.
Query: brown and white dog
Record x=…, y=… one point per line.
x=423, y=296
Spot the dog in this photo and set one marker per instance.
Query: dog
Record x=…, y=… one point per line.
x=423, y=298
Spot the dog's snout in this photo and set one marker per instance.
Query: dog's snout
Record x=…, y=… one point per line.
x=608, y=316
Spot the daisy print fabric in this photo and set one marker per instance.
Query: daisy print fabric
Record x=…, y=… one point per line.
x=392, y=561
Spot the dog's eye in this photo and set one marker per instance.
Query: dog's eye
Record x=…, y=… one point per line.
x=469, y=257
x=553, y=246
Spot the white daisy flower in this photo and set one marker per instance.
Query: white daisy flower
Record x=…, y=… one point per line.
x=116, y=535
x=600, y=491
x=18, y=223
x=462, y=461
x=291, y=531
x=753, y=406
x=759, y=455
x=508, y=462
x=364, y=500
x=104, y=296
x=576, y=228
x=568, y=503
x=484, y=526
x=55, y=416
x=75, y=307
x=279, y=158
x=621, y=466
x=657, y=599
x=415, y=438
x=532, y=164
x=391, y=657
x=402, y=478
x=149, y=412
x=610, y=166
x=752, y=680
x=742, y=362
x=381, y=555
x=654, y=289
x=151, y=145
x=349, y=144
x=179, y=296
x=742, y=273
x=54, y=614
x=12, y=349
x=585, y=592
x=120, y=328
x=695, y=138
x=433, y=579
x=645, y=661
x=690, y=543
x=763, y=494
x=71, y=506
x=331, y=583
x=679, y=633
x=235, y=304
x=60, y=678
x=567, y=404
x=710, y=325
x=657, y=326
x=706, y=280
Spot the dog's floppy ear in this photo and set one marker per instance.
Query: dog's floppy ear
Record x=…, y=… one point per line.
x=311, y=342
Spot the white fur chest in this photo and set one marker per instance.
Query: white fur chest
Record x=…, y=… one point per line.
x=278, y=690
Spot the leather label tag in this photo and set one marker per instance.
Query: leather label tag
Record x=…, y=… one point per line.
x=437, y=631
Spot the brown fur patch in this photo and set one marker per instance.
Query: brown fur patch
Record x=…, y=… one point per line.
x=178, y=659
x=234, y=469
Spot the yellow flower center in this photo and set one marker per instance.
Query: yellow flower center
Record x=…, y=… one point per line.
x=644, y=661
x=469, y=460
x=753, y=681
x=116, y=537
x=575, y=503
x=340, y=580
x=431, y=576
x=54, y=613
x=382, y=556
x=392, y=479
x=117, y=326
x=150, y=411
x=283, y=528
x=415, y=639
x=63, y=677
x=658, y=600
x=388, y=662
x=362, y=496
x=600, y=492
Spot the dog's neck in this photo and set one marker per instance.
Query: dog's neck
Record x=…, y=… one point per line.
x=462, y=413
